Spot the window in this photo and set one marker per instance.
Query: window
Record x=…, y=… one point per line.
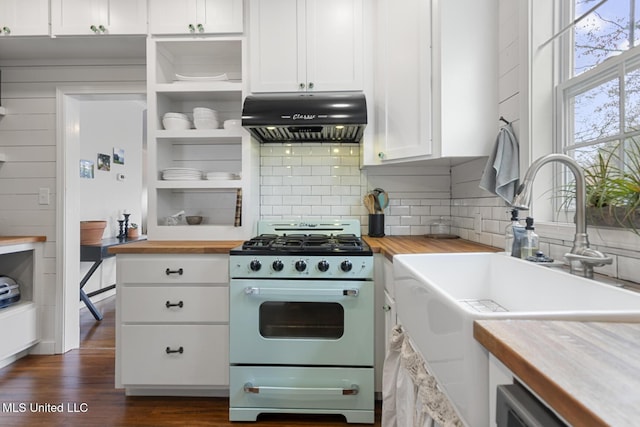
x=599, y=91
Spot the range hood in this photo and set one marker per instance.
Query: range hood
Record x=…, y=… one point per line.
x=305, y=117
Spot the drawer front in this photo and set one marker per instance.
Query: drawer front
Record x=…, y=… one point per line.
x=301, y=387
x=150, y=355
x=174, y=304
x=172, y=268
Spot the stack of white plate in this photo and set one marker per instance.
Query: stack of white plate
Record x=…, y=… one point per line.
x=222, y=175
x=176, y=121
x=205, y=118
x=181, y=174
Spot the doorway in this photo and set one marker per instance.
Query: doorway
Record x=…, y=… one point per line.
x=74, y=107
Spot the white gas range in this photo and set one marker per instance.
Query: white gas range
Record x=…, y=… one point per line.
x=301, y=321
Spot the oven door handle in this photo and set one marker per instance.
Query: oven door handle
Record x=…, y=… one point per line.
x=308, y=391
x=251, y=290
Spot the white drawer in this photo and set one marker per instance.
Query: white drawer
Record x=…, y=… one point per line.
x=204, y=359
x=180, y=303
x=172, y=268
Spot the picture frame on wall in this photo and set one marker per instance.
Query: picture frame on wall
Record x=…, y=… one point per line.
x=118, y=156
x=104, y=162
x=86, y=169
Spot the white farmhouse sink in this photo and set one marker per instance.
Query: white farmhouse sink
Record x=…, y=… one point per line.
x=438, y=296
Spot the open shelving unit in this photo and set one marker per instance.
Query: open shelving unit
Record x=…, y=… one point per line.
x=185, y=73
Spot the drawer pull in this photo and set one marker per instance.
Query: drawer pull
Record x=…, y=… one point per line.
x=169, y=272
x=169, y=304
x=180, y=350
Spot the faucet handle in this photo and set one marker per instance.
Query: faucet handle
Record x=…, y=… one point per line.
x=587, y=260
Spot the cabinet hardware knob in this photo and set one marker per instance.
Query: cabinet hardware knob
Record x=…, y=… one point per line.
x=180, y=350
x=6, y=30
x=94, y=28
x=192, y=28
x=179, y=304
x=301, y=86
x=102, y=28
x=381, y=155
x=385, y=307
x=200, y=28
x=311, y=85
x=169, y=272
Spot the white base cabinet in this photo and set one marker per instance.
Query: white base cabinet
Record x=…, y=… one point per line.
x=172, y=323
x=21, y=262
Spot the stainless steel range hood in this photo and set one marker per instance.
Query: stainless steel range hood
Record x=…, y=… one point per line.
x=305, y=117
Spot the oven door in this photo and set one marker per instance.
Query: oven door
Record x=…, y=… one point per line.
x=301, y=322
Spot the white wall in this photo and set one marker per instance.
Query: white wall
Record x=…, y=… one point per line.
x=105, y=125
x=525, y=98
x=28, y=138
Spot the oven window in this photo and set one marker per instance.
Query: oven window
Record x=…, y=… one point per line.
x=289, y=319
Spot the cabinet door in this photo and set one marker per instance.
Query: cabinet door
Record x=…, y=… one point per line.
x=78, y=17
x=24, y=17
x=172, y=16
x=220, y=16
x=195, y=16
x=126, y=17
x=334, y=45
x=404, y=67
x=74, y=17
x=277, y=45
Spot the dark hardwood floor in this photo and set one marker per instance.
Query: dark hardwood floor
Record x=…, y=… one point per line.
x=81, y=382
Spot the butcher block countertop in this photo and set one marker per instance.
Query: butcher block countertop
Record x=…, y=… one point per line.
x=588, y=372
x=389, y=246
x=17, y=240
x=394, y=245
x=177, y=247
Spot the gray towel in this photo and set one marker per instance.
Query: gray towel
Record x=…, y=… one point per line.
x=502, y=172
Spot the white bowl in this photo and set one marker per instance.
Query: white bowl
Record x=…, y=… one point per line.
x=232, y=124
x=175, y=123
x=204, y=112
x=176, y=116
x=205, y=123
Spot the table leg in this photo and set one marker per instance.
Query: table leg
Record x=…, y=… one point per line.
x=83, y=296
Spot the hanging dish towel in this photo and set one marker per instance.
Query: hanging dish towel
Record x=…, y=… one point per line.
x=502, y=172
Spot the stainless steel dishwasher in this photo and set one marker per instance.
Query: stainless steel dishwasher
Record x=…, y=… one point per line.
x=517, y=407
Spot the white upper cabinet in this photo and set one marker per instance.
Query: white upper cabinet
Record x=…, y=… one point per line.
x=116, y=17
x=436, y=86
x=306, y=45
x=24, y=17
x=195, y=16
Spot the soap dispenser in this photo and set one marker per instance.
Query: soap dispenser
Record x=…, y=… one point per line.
x=509, y=232
x=529, y=245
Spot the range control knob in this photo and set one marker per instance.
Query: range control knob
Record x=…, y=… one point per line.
x=277, y=265
x=323, y=265
x=346, y=265
x=301, y=265
x=255, y=265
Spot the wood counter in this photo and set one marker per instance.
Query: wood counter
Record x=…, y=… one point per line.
x=389, y=246
x=17, y=240
x=588, y=372
x=394, y=245
x=177, y=247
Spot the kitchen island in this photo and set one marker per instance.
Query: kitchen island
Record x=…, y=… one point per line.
x=588, y=372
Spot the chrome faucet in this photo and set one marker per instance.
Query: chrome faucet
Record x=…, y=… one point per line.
x=582, y=259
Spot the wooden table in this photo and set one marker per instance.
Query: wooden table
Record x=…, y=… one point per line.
x=96, y=254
